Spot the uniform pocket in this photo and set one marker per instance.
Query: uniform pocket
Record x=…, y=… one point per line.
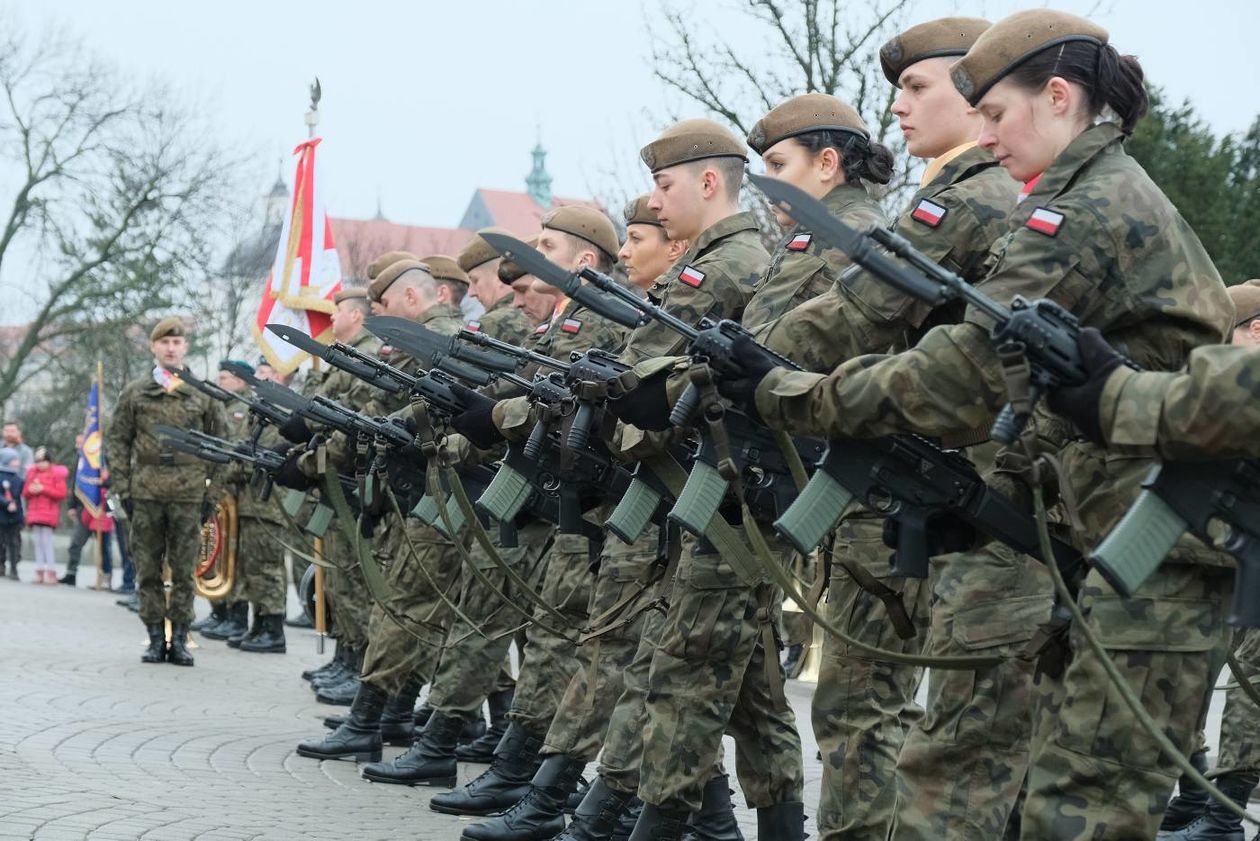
x=711, y=614
x=1002, y=622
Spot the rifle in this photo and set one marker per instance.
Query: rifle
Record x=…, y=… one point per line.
x=263, y=411
x=522, y=355
x=332, y=414
x=434, y=348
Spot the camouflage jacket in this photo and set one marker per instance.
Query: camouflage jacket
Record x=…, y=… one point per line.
x=444, y=319
x=954, y=220
x=238, y=477
x=715, y=278
x=802, y=268
x=504, y=322
x=1211, y=409
x=139, y=466
x=1095, y=235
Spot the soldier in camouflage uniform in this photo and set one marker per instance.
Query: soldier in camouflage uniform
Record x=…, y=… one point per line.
x=1095, y=234
x=164, y=493
x=501, y=320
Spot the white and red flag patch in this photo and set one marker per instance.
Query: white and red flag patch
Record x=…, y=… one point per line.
x=799, y=242
x=474, y=326
x=1045, y=221
x=571, y=325
x=542, y=328
x=929, y=213
x=691, y=276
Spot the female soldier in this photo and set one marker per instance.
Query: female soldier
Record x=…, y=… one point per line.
x=1095, y=234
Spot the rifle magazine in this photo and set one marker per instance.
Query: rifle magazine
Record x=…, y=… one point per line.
x=632, y=514
x=814, y=513
x=506, y=494
x=1139, y=543
x=700, y=499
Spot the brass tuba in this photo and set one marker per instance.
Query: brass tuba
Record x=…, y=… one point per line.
x=216, y=565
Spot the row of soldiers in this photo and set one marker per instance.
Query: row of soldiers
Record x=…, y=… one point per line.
x=644, y=654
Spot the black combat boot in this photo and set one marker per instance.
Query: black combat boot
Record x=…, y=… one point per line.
x=156, y=652
x=218, y=612
x=782, y=822
x=270, y=636
x=334, y=663
x=715, y=821
x=428, y=762
x=235, y=640
x=341, y=695
x=422, y=715
x=575, y=799
x=658, y=824
x=237, y=622
x=333, y=677
x=397, y=725
x=539, y=815
x=360, y=737
x=69, y=578
x=1190, y=801
x=502, y=784
x=178, y=652
x=600, y=814
x=1216, y=823
x=482, y=749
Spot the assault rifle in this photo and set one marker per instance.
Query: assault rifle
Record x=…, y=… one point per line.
x=332, y=414
x=441, y=351
x=263, y=411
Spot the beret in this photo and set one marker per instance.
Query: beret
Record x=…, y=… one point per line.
x=445, y=268
x=477, y=251
x=384, y=261
x=395, y=270
x=225, y=363
x=509, y=272
x=1246, y=298
x=943, y=37
x=691, y=140
x=637, y=212
x=802, y=114
x=172, y=325
x=347, y=293
x=1013, y=40
x=585, y=223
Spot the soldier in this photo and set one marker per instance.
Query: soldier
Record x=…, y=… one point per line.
x=501, y=320
x=1097, y=235
x=163, y=493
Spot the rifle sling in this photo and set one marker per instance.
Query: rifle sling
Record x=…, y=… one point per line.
x=345, y=518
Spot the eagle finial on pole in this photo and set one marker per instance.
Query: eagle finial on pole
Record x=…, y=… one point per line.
x=312, y=116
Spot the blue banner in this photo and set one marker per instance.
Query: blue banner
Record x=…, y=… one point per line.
x=87, y=476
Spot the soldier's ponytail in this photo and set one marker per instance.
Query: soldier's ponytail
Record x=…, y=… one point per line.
x=1111, y=81
x=861, y=159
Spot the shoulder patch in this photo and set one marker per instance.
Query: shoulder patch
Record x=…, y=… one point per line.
x=799, y=242
x=1045, y=221
x=929, y=213
x=238, y=415
x=541, y=328
x=474, y=326
x=691, y=276
x=571, y=325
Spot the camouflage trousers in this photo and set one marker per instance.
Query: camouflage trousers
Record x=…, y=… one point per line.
x=623, y=592
x=1240, y=722
x=165, y=533
x=1095, y=773
x=260, y=573
x=962, y=765
x=714, y=672
x=348, y=597
x=471, y=666
x=862, y=706
x=406, y=635
x=550, y=658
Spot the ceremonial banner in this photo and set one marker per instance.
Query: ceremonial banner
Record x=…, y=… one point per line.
x=87, y=475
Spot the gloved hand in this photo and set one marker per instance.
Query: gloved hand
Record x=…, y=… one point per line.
x=646, y=406
x=405, y=470
x=295, y=429
x=476, y=422
x=946, y=534
x=1081, y=404
x=290, y=475
x=755, y=363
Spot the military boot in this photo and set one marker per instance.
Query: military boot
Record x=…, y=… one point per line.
x=539, y=815
x=715, y=820
x=178, y=652
x=218, y=612
x=482, y=749
x=1216, y=823
x=575, y=799
x=428, y=762
x=270, y=636
x=397, y=726
x=235, y=640
x=502, y=784
x=156, y=652
x=1190, y=801
x=333, y=677
x=360, y=737
x=422, y=715
x=236, y=622
x=782, y=822
x=600, y=814
x=658, y=824
x=334, y=663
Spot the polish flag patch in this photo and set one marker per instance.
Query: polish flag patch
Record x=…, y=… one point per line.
x=799, y=242
x=571, y=325
x=474, y=326
x=1045, y=221
x=929, y=213
x=541, y=328
x=691, y=276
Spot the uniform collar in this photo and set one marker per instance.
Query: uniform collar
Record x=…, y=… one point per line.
x=441, y=311
x=361, y=337
x=1087, y=146
x=723, y=228
x=937, y=164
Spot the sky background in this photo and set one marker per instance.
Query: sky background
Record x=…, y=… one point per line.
x=426, y=101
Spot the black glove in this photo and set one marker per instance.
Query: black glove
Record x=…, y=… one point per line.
x=946, y=534
x=405, y=471
x=281, y=449
x=295, y=429
x=1081, y=404
x=755, y=363
x=289, y=475
x=646, y=406
x=476, y=422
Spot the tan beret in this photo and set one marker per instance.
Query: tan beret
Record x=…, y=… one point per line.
x=172, y=325
x=387, y=259
x=802, y=114
x=509, y=272
x=349, y=293
x=1013, y=40
x=477, y=251
x=586, y=223
x=1246, y=298
x=395, y=270
x=637, y=212
x=691, y=140
x=936, y=38
x=445, y=268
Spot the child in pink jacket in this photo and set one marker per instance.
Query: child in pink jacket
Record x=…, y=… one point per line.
x=44, y=490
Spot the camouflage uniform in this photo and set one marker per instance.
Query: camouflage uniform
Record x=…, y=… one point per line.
x=1123, y=260
x=259, y=555
x=504, y=322
x=166, y=488
x=1240, y=722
